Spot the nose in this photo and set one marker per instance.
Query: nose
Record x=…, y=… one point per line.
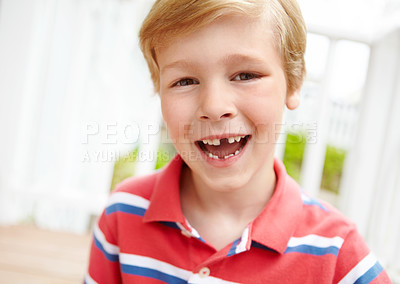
x=216, y=103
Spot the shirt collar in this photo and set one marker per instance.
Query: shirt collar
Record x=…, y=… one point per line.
x=272, y=228
x=165, y=201
x=277, y=222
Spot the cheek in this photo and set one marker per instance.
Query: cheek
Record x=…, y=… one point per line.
x=264, y=110
x=265, y=114
x=177, y=118
x=266, y=101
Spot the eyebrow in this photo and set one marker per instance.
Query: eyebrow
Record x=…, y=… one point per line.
x=179, y=64
x=235, y=58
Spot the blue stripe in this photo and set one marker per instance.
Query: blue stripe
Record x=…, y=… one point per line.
x=311, y=201
x=232, y=250
x=110, y=257
x=170, y=224
x=370, y=275
x=313, y=250
x=260, y=246
x=120, y=207
x=151, y=273
x=314, y=202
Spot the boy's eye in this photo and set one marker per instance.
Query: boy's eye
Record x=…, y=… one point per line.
x=245, y=76
x=186, y=82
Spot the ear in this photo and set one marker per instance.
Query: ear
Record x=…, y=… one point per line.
x=293, y=99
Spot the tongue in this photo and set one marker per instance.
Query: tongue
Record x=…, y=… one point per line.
x=225, y=149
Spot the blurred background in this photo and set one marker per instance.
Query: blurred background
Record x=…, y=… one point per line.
x=78, y=114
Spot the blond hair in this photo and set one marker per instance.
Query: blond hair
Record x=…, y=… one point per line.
x=169, y=19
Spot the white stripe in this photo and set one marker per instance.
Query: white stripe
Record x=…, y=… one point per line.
x=316, y=241
x=89, y=280
x=243, y=241
x=151, y=263
x=183, y=229
x=305, y=197
x=130, y=199
x=197, y=279
x=192, y=231
x=110, y=248
x=360, y=269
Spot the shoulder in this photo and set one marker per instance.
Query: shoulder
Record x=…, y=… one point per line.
x=322, y=218
x=131, y=196
x=142, y=186
x=128, y=202
x=314, y=216
x=333, y=233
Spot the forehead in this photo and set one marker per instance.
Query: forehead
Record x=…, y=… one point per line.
x=232, y=38
x=181, y=29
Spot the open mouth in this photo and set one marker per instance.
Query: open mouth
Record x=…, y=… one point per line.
x=224, y=148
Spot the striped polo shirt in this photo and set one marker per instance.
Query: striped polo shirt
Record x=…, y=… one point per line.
x=143, y=237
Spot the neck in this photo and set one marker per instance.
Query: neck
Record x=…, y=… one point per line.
x=242, y=204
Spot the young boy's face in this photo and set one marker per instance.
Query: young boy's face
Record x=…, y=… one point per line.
x=223, y=91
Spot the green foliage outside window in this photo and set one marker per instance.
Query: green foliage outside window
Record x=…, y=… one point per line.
x=333, y=165
x=333, y=168
x=124, y=167
x=294, y=151
x=166, y=152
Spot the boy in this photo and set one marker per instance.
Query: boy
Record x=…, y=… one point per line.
x=224, y=210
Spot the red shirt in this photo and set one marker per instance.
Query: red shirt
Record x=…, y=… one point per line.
x=143, y=237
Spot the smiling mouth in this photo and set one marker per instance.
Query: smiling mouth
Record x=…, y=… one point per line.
x=221, y=149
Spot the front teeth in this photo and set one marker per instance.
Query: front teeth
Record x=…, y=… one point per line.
x=217, y=142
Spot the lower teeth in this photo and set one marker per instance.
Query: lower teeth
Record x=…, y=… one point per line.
x=226, y=157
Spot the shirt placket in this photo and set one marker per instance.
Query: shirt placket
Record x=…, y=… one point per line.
x=203, y=272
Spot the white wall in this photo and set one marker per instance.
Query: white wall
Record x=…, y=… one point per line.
x=15, y=43
x=370, y=193
x=75, y=95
